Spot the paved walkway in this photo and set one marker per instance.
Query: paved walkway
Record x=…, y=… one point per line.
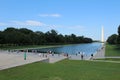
x=56, y=58
x=100, y=53
x=78, y=57
x=13, y=59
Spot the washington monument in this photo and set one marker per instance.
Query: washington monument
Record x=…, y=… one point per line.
x=102, y=35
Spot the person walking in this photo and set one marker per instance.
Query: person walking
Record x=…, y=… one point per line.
x=81, y=56
x=91, y=56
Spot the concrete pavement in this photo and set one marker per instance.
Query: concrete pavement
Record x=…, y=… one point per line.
x=100, y=53
x=13, y=59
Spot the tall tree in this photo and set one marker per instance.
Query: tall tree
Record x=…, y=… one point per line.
x=118, y=40
x=119, y=30
x=112, y=39
x=2, y=41
x=118, y=37
x=25, y=36
x=41, y=37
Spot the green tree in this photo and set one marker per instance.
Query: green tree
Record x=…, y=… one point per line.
x=25, y=31
x=112, y=39
x=2, y=41
x=119, y=30
x=10, y=36
x=61, y=38
x=87, y=40
x=10, y=29
x=118, y=37
x=118, y=40
x=41, y=37
x=23, y=36
x=51, y=36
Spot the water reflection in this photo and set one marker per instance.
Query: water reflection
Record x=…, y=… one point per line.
x=87, y=49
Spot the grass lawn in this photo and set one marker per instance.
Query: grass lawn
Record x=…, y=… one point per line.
x=64, y=70
x=110, y=59
x=112, y=50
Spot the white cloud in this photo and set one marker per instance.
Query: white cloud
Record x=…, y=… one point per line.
x=16, y=23
x=30, y=24
x=27, y=23
x=50, y=15
x=34, y=23
x=55, y=15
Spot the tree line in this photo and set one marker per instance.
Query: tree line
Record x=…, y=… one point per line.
x=24, y=36
x=114, y=38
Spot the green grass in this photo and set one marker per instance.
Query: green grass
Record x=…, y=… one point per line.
x=64, y=70
x=112, y=50
x=110, y=59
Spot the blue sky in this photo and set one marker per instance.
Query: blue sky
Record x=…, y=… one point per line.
x=81, y=17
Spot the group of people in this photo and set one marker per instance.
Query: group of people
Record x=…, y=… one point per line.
x=82, y=54
x=47, y=54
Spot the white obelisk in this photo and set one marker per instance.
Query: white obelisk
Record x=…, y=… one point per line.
x=102, y=35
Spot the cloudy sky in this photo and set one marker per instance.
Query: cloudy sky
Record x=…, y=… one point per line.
x=81, y=17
